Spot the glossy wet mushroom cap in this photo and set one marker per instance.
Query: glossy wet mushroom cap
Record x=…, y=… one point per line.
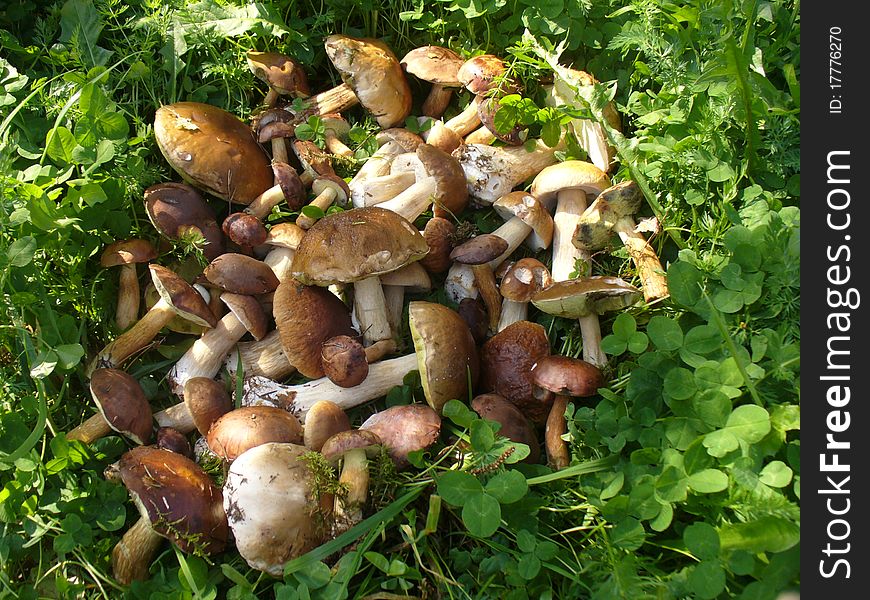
x=122, y=403
x=213, y=150
x=245, y=230
x=343, y=442
x=249, y=426
x=241, y=274
x=249, y=312
x=173, y=207
x=169, y=438
x=446, y=352
x=404, y=429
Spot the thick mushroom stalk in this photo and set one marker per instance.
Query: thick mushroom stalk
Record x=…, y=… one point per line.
x=492, y=172
x=391, y=143
x=299, y=398
x=612, y=212
x=177, y=297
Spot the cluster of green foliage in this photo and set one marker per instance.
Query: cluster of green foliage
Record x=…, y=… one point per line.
x=685, y=478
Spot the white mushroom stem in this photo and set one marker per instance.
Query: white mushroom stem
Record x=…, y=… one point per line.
x=262, y=205
x=370, y=308
x=481, y=135
x=177, y=416
x=264, y=358
x=323, y=201
x=205, y=357
x=466, y=121
x=394, y=298
x=649, y=268
x=348, y=511
x=437, y=101
x=280, y=261
x=375, y=190
x=132, y=555
x=135, y=338
x=412, y=202
x=127, y=309
x=298, y=399
x=336, y=146
x=494, y=171
x=376, y=165
x=570, y=205
x=511, y=312
x=335, y=100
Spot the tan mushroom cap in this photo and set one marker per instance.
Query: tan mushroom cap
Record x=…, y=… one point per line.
x=344, y=361
x=514, y=424
x=479, y=250
x=480, y=74
x=334, y=182
x=506, y=361
x=127, y=252
x=451, y=190
x=434, y=64
x=575, y=298
x=280, y=72
x=446, y=352
x=438, y=234
x=173, y=207
x=213, y=150
x=404, y=429
x=181, y=296
x=244, y=229
x=313, y=159
x=567, y=376
x=524, y=279
x=207, y=400
x=405, y=138
x=595, y=227
x=177, y=496
x=122, y=403
x=568, y=175
x=249, y=426
x=306, y=316
x=345, y=441
x=249, y=312
x=241, y=274
x=354, y=244
x=323, y=420
x=532, y=212
x=373, y=71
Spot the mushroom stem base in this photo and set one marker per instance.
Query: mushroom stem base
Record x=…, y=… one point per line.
x=348, y=511
x=649, y=268
x=557, y=450
x=131, y=557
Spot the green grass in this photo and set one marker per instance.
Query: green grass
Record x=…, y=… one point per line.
x=699, y=493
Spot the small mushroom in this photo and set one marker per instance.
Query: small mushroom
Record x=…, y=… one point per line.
x=612, y=212
x=245, y=230
x=523, y=280
x=438, y=234
x=353, y=448
x=240, y=274
x=404, y=429
x=328, y=189
x=169, y=438
x=176, y=499
x=288, y=186
x=438, y=66
x=243, y=428
x=212, y=150
x=126, y=254
x=324, y=419
x=122, y=406
x=205, y=401
x=446, y=353
x=566, y=377
x=345, y=360
x=174, y=208
x=177, y=297
x=477, y=253
x=271, y=501
x=336, y=129
x=514, y=424
x=283, y=75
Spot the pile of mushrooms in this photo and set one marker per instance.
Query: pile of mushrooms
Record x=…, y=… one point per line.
x=342, y=304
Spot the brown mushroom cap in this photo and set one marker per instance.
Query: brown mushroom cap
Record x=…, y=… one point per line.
x=525, y=278
x=344, y=441
x=344, y=360
x=568, y=175
x=177, y=496
x=244, y=229
x=181, y=296
x=451, y=190
x=405, y=138
x=354, y=244
x=323, y=420
x=173, y=207
x=575, y=298
x=434, y=64
x=480, y=74
x=532, y=212
x=595, y=227
x=291, y=184
x=207, y=400
x=213, y=150
x=479, y=250
x=438, y=234
x=334, y=182
x=446, y=353
x=373, y=71
x=506, y=361
x=404, y=429
x=249, y=312
x=279, y=72
x=313, y=159
x=472, y=311
x=127, y=252
x=241, y=274
x=122, y=403
x=306, y=316
x=486, y=111
x=169, y=438
x=514, y=424
x=567, y=376
x=285, y=235
x=249, y=426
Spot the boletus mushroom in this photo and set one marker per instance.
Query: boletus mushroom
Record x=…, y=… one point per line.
x=126, y=254
x=122, y=406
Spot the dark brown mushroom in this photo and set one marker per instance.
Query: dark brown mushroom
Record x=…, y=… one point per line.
x=249, y=426
x=126, y=254
x=174, y=208
x=122, y=406
x=514, y=424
